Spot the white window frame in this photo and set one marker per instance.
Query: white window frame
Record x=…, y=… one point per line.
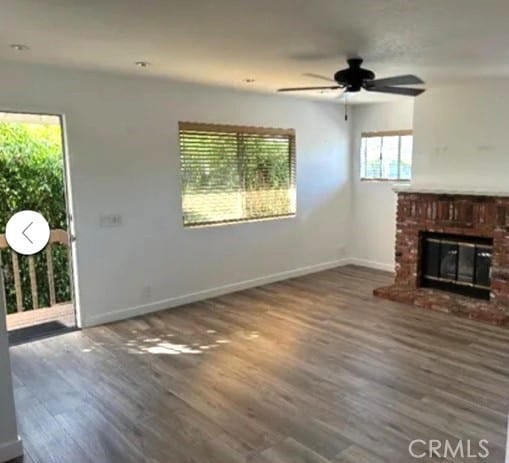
x=363, y=154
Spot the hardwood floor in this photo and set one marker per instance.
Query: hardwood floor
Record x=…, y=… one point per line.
x=310, y=370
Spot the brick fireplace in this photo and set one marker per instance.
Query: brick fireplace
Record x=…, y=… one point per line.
x=468, y=270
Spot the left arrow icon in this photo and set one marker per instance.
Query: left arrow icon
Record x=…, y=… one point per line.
x=27, y=232
x=25, y=235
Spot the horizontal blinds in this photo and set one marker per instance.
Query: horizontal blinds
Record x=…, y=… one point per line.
x=233, y=173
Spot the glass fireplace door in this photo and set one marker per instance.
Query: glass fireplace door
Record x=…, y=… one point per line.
x=457, y=263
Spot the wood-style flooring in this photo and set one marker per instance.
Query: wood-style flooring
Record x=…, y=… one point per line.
x=309, y=370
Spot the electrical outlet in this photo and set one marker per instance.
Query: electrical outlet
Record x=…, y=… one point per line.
x=110, y=220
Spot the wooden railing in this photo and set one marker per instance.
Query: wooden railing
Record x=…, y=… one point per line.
x=57, y=236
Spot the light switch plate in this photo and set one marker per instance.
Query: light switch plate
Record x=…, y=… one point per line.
x=110, y=220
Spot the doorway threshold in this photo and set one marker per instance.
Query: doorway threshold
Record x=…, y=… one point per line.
x=38, y=332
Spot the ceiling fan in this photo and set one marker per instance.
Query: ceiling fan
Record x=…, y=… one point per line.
x=354, y=78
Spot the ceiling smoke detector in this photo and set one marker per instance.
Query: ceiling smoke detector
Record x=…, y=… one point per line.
x=142, y=64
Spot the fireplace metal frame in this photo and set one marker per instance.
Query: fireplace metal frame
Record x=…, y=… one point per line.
x=455, y=285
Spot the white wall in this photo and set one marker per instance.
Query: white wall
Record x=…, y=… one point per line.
x=10, y=445
x=124, y=157
x=461, y=137
x=374, y=203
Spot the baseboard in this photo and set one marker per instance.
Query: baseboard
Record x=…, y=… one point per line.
x=371, y=264
x=11, y=450
x=130, y=312
x=507, y=445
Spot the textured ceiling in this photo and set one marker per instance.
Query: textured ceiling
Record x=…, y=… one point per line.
x=274, y=42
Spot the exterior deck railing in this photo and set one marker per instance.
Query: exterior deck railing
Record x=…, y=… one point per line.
x=57, y=236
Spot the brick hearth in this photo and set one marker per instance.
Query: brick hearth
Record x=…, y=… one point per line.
x=470, y=215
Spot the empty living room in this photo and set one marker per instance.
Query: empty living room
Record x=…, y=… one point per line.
x=254, y=232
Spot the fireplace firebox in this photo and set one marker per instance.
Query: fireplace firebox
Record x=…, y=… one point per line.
x=460, y=264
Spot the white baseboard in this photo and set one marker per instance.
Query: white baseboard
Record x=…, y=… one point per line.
x=130, y=312
x=507, y=445
x=371, y=264
x=11, y=450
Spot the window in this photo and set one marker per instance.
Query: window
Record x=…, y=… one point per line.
x=386, y=155
x=235, y=174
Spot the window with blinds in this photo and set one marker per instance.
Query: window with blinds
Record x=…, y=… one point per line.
x=386, y=155
x=234, y=174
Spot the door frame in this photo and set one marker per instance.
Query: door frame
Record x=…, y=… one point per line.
x=69, y=204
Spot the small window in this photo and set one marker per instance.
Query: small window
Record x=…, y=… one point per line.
x=235, y=174
x=386, y=155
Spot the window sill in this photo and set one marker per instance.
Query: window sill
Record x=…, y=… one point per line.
x=386, y=180
x=240, y=222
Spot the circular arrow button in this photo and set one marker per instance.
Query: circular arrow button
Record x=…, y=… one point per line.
x=27, y=232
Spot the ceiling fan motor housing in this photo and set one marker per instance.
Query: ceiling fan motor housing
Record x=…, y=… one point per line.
x=354, y=76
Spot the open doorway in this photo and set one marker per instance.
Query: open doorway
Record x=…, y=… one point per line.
x=38, y=288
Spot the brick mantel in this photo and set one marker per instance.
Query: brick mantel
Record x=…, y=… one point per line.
x=457, y=214
x=435, y=190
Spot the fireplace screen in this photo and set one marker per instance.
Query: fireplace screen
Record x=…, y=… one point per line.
x=457, y=263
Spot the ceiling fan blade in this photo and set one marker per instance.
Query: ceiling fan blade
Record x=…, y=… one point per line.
x=318, y=76
x=298, y=89
x=397, y=90
x=407, y=79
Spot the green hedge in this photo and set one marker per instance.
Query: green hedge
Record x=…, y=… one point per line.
x=31, y=168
